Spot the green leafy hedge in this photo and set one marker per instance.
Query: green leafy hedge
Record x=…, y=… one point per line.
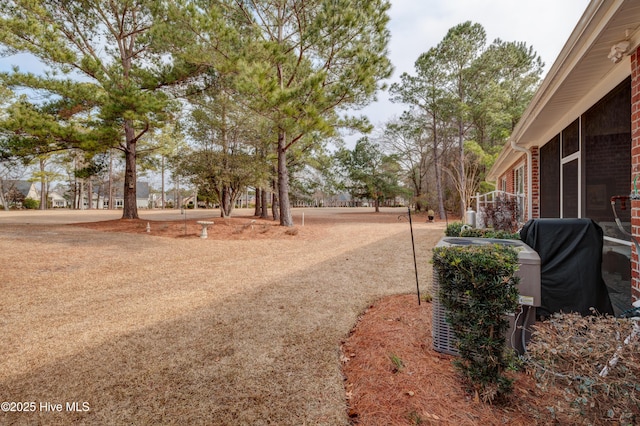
x=478, y=287
x=457, y=229
x=30, y=203
x=453, y=229
x=489, y=233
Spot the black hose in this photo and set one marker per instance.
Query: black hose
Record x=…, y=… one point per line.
x=524, y=330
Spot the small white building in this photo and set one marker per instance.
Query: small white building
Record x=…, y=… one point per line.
x=57, y=201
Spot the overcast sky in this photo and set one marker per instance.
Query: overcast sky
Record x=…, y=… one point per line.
x=418, y=25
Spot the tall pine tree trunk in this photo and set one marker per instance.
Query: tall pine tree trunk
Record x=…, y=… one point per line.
x=43, y=186
x=256, y=211
x=283, y=181
x=3, y=201
x=90, y=192
x=110, y=186
x=438, y=173
x=264, y=211
x=226, y=203
x=130, y=210
x=463, y=176
x=162, y=198
x=81, y=195
x=274, y=200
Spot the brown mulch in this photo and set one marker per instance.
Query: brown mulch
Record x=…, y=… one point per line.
x=394, y=376
x=243, y=227
x=234, y=228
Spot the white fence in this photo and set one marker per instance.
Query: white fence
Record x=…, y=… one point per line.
x=496, y=201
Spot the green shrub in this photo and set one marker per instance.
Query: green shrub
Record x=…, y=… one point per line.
x=458, y=229
x=30, y=203
x=489, y=233
x=453, y=229
x=478, y=288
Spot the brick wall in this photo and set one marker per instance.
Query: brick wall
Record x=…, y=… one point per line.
x=511, y=179
x=635, y=167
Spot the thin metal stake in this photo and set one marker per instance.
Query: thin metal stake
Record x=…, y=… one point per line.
x=415, y=264
x=184, y=211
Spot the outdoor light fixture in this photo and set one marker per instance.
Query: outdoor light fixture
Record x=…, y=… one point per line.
x=618, y=50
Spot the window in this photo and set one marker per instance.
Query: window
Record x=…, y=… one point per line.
x=570, y=172
x=518, y=188
x=571, y=139
x=570, y=184
x=607, y=163
x=518, y=180
x=550, y=178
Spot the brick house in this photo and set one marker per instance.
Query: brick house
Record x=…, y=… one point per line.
x=577, y=144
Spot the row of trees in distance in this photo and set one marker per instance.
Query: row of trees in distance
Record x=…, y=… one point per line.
x=254, y=93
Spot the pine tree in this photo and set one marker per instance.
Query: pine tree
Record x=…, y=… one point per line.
x=298, y=63
x=101, y=56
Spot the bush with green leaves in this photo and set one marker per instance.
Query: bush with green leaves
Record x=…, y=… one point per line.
x=30, y=203
x=453, y=229
x=478, y=288
x=458, y=229
x=489, y=233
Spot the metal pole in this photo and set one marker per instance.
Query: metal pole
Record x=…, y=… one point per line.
x=413, y=246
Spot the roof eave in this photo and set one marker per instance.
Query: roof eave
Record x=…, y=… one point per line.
x=584, y=43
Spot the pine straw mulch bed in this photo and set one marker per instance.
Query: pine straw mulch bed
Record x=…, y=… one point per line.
x=233, y=228
x=393, y=376
x=244, y=227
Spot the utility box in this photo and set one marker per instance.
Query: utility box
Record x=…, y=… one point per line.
x=528, y=288
x=470, y=217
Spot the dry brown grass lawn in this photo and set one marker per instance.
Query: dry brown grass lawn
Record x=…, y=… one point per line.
x=238, y=330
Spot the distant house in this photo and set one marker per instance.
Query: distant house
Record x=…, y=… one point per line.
x=143, y=197
x=16, y=191
x=56, y=200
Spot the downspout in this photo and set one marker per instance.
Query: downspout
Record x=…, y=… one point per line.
x=529, y=176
